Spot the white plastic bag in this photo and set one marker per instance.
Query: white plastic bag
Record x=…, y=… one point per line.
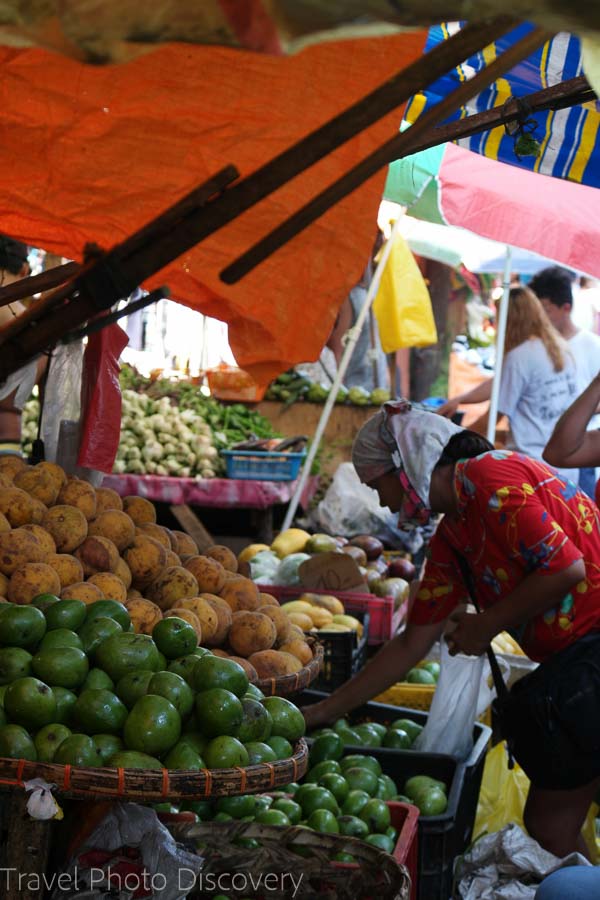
x=62, y=394
x=449, y=727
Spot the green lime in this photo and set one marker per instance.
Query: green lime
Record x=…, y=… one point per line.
x=326, y=746
x=21, y=626
x=273, y=817
x=256, y=722
x=126, y=652
x=386, y=788
x=288, y=721
x=259, y=752
x=131, y=759
x=48, y=739
x=358, y=760
x=65, y=667
x=432, y=803
x=66, y=614
x=219, y=712
x=225, y=752
x=14, y=663
x=336, y=784
x=107, y=745
x=361, y=780
x=100, y=712
x=323, y=768
x=323, y=820
x=111, y=609
x=376, y=814
x=290, y=808
x=368, y=735
x=43, y=601
x=16, y=743
x=413, y=729
x=65, y=704
x=174, y=637
x=61, y=637
x=237, y=807
x=216, y=672
x=78, y=750
x=94, y=632
x=352, y=826
x=133, y=685
x=153, y=726
x=174, y=689
x=280, y=746
x=183, y=756
x=397, y=739
x=354, y=802
x=381, y=841
x=184, y=666
x=419, y=676
x=97, y=680
x=316, y=797
x=30, y=703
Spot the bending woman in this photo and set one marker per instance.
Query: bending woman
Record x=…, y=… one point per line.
x=532, y=542
x=538, y=380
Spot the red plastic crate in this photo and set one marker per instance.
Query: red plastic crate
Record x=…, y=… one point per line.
x=384, y=619
x=404, y=818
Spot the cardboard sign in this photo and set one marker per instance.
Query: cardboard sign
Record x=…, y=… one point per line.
x=331, y=572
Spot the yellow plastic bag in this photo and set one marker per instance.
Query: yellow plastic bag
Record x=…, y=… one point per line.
x=402, y=306
x=502, y=799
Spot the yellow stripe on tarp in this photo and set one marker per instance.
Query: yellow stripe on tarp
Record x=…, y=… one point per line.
x=491, y=146
x=587, y=143
x=415, y=107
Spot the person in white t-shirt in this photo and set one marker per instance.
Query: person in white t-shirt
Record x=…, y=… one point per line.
x=538, y=381
x=554, y=288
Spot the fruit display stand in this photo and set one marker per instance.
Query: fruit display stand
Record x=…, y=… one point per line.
x=305, y=854
x=215, y=493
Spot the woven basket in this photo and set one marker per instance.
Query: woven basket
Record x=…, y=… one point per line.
x=305, y=854
x=285, y=685
x=161, y=784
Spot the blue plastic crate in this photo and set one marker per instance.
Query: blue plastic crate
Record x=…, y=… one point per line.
x=262, y=465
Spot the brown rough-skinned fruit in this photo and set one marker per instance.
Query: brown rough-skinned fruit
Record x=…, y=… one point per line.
x=241, y=594
x=155, y=531
x=30, y=580
x=114, y=525
x=79, y=494
x=224, y=615
x=280, y=620
x=11, y=464
x=106, y=498
x=4, y=523
x=209, y=573
x=209, y=619
x=172, y=585
x=18, y=547
x=38, y=512
x=184, y=545
x=3, y=585
x=57, y=474
x=224, y=555
x=139, y=509
x=267, y=599
x=17, y=506
x=246, y=666
x=38, y=483
x=111, y=585
x=250, y=633
x=44, y=537
x=144, y=614
x=299, y=649
x=82, y=590
x=97, y=554
x=67, y=525
x=173, y=559
x=273, y=663
x=146, y=558
x=134, y=594
x=124, y=572
x=67, y=567
x=188, y=616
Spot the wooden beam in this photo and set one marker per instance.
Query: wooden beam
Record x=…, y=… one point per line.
x=191, y=524
x=392, y=149
x=36, y=284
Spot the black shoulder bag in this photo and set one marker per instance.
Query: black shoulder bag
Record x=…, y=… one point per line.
x=502, y=694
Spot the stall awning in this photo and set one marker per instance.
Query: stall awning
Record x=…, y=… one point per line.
x=570, y=138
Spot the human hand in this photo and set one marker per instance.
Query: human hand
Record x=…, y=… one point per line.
x=317, y=714
x=469, y=634
x=448, y=408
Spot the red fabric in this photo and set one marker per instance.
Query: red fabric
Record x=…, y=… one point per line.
x=546, y=215
x=101, y=399
x=95, y=152
x=516, y=516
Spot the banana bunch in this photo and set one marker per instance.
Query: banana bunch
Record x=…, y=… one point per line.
x=504, y=643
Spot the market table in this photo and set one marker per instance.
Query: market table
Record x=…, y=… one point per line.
x=215, y=493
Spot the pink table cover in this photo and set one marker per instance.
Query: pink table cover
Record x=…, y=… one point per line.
x=221, y=493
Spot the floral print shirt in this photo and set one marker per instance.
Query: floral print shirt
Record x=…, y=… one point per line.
x=516, y=516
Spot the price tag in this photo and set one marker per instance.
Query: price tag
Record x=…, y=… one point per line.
x=331, y=572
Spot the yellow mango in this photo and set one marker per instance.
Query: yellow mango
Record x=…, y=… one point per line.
x=320, y=616
x=334, y=626
x=331, y=604
x=251, y=550
x=350, y=622
x=297, y=606
x=292, y=540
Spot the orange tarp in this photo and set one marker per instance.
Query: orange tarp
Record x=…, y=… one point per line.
x=92, y=153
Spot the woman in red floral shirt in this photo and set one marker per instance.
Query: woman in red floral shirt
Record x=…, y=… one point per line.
x=532, y=543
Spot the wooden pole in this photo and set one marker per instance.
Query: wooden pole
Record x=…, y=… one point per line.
x=36, y=284
x=393, y=149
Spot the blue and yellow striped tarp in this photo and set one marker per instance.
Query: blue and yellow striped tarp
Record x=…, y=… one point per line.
x=569, y=138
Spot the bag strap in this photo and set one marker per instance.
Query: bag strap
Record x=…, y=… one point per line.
x=499, y=683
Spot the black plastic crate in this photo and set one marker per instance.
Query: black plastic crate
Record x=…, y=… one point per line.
x=344, y=654
x=441, y=838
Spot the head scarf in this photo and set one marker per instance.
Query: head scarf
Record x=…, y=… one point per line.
x=409, y=439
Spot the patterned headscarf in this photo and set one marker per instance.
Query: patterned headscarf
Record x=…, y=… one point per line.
x=407, y=439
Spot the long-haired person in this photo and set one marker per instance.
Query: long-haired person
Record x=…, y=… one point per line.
x=538, y=382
